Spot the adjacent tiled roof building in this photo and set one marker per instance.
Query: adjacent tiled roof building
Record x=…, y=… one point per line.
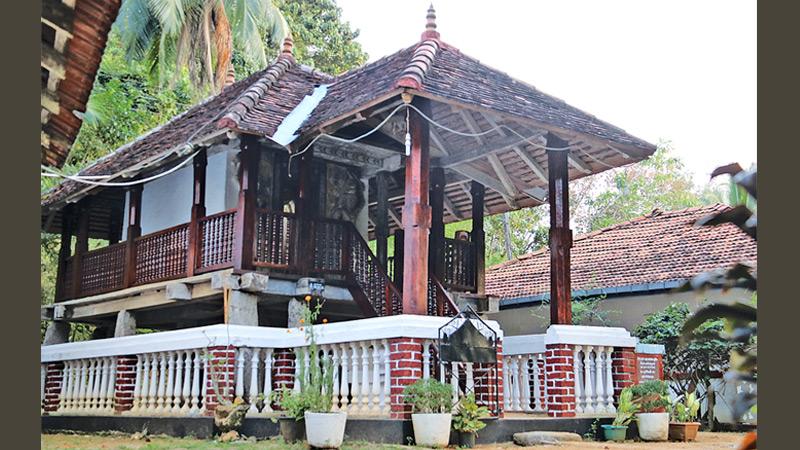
x=663, y=246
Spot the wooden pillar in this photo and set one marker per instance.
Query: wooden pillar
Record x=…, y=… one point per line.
x=436, y=254
x=199, y=164
x=560, y=234
x=478, y=236
x=417, y=214
x=399, y=242
x=81, y=244
x=244, y=225
x=114, y=226
x=64, y=251
x=305, y=212
x=133, y=232
x=382, y=217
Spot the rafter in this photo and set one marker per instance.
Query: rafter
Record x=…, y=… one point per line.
x=395, y=217
x=488, y=181
x=520, y=151
x=451, y=208
x=480, y=151
x=578, y=163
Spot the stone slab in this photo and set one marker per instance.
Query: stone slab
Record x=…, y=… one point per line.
x=529, y=438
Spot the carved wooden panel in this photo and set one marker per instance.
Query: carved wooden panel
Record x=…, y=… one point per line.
x=162, y=255
x=275, y=233
x=103, y=269
x=215, y=234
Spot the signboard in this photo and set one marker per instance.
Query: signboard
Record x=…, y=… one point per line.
x=649, y=367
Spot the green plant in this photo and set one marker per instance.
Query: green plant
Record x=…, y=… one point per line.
x=429, y=396
x=686, y=409
x=292, y=403
x=651, y=396
x=467, y=417
x=626, y=409
x=592, y=433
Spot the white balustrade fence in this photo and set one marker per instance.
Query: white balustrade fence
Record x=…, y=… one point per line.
x=170, y=383
x=523, y=382
x=87, y=386
x=594, y=382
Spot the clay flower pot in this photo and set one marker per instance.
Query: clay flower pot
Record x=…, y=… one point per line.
x=683, y=431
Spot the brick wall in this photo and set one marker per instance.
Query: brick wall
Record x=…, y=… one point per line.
x=560, y=386
x=623, y=369
x=221, y=367
x=124, y=383
x=405, y=366
x=54, y=376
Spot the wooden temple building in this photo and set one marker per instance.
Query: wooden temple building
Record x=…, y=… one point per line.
x=267, y=185
x=212, y=228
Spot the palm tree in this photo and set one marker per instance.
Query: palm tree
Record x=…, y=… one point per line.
x=198, y=36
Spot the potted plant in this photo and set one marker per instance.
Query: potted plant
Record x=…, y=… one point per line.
x=626, y=410
x=652, y=398
x=467, y=420
x=683, y=426
x=324, y=428
x=292, y=424
x=431, y=403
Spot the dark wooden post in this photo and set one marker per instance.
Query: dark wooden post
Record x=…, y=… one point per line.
x=199, y=164
x=417, y=214
x=244, y=225
x=134, y=231
x=382, y=217
x=304, y=207
x=114, y=226
x=560, y=234
x=81, y=244
x=436, y=254
x=64, y=251
x=399, y=242
x=478, y=236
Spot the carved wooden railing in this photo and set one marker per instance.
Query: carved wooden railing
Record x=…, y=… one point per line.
x=103, y=270
x=459, y=264
x=215, y=235
x=162, y=255
x=371, y=276
x=440, y=303
x=275, y=234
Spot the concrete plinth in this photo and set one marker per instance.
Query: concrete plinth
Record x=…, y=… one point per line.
x=126, y=324
x=243, y=309
x=296, y=308
x=57, y=333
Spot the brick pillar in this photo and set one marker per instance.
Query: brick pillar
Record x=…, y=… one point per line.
x=283, y=368
x=221, y=375
x=405, y=367
x=560, y=388
x=623, y=369
x=124, y=383
x=54, y=376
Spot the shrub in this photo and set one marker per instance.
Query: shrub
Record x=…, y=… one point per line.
x=626, y=409
x=467, y=418
x=651, y=396
x=429, y=396
x=686, y=410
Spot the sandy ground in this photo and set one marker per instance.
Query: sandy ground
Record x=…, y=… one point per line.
x=705, y=440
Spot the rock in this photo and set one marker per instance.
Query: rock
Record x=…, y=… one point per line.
x=230, y=436
x=529, y=438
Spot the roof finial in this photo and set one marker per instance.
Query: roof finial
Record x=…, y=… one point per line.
x=288, y=44
x=430, y=27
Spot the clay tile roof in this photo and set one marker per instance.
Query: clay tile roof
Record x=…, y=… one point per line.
x=658, y=247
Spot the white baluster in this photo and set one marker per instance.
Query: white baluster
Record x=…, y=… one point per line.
x=205, y=381
x=322, y=358
x=83, y=385
x=355, y=391
x=170, y=388
x=577, y=365
x=195, y=387
x=609, y=382
x=177, y=391
x=454, y=380
x=365, y=381
x=336, y=381
x=267, y=381
x=144, y=402
x=162, y=382
x=515, y=391
x=345, y=391
x=426, y=360
x=252, y=395
x=537, y=386
x=239, y=392
x=137, y=384
x=186, y=391
x=298, y=362
x=66, y=385
x=387, y=379
x=152, y=383
x=92, y=390
x=525, y=385
x=307, y=364
x=105, y=372
x=598, y=379
x=44, y=379
x=588, y=368
x=112, y=384
x=470, y=384
x=506, y=384
x=376, y=377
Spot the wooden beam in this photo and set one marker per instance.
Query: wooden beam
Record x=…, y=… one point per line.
x=488, y=181
x=436, y=244
x=198, y=210
x=382, y=217
x=504, y=177
x=478, y=236
x=576, y=162
x=58, y=15
x=395, y=217
x=473, y=153
x=50, y=102
x=134, y=231
x=451, y=208
x=244, y=224
x=438, y=142
x=531, y=163
x=560, y=234
x=53, y=61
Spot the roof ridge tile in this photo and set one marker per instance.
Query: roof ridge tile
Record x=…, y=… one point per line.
x=250, y=96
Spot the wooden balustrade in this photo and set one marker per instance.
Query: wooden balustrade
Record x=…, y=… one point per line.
x=440, y=303
x=371, y=276
x=275, y=234
x=459, y=264
x=215, y=234
x=162, y=255
x=523, y=382
x=103, y=270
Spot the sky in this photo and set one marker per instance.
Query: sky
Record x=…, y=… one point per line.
x=677, y=70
